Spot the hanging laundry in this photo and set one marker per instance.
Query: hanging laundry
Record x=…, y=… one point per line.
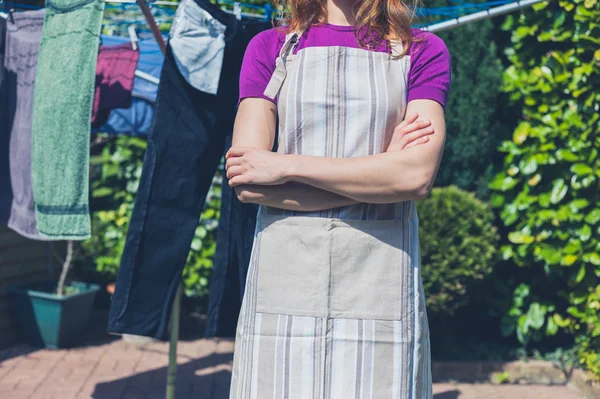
x=185, y=146
x=235, y=237
x=198, y=53
x=2, y=38
x=135, y=120
x=23, y=36
x=63, y=100
x=5, y=188
x=115, y=71
x=150, y=63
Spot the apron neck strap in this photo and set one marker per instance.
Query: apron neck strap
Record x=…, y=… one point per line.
x=396, y=47
x=290, y=43
x=280, y=73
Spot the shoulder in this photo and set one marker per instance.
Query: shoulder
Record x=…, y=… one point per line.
x=267, y=43
x=259, y=62
x=426, y=44
x=430, y=68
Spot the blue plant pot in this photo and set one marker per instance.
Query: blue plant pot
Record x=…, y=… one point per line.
x=51, y=321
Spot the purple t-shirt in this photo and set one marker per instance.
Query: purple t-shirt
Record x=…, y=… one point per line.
x=428, y=77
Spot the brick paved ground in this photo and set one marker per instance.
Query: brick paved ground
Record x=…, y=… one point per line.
x=110, y=368
x=120, y=370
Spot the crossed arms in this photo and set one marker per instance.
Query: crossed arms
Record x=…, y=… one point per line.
x=309, y=183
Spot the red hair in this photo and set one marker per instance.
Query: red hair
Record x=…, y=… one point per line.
x=376, y=20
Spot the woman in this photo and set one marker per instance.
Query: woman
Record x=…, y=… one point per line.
x=334, y=305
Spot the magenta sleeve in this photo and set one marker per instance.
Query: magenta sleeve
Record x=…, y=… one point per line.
x=429, y=74
x=258, y=64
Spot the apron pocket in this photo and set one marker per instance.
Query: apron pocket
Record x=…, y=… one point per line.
x=372, y=273
x=293, y=268
x=336, y=269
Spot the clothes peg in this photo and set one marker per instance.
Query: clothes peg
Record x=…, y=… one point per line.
x=268, y=11
x=133, y=36
x=10, y=15
x=237, y=11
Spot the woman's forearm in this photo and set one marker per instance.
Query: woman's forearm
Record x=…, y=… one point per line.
x=392, y=176
x=292, y=196
x=399, y=174
x=382, y=178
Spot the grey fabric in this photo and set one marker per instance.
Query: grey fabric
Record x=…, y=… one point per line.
x=198, y=43
x=5, y=189
x=23, y=36
x=2, y=38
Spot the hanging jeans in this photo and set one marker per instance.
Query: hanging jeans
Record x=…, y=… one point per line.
x=232, y=258
x=184, y=148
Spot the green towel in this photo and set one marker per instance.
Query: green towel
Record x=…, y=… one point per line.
x=62, y=107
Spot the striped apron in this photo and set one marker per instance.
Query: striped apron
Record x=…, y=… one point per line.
x=334, y=305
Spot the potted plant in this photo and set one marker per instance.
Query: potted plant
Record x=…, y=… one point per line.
x=54, y=314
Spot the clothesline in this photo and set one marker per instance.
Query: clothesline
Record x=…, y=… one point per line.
x=456, y=12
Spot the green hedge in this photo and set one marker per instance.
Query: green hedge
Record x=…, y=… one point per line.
x=458, y=247
x=548, y=193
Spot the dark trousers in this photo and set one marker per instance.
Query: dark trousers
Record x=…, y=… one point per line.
x=234, y=246
x=185, y=145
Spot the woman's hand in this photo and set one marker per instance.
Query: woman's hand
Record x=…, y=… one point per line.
x=410, y=133
x=249, y=165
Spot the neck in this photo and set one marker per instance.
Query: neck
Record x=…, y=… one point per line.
x=340, y=12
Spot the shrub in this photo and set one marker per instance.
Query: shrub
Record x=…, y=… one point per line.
x=458, y=246
x=548, y=193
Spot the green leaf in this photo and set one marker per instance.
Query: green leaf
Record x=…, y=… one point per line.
x=581, y=169
x=102, y=192
x=593, y=258
x=534, y=180
x=585, y=232
x=560, y=321
x=529, y=165
x=593, y=217
x=517, y=237
x=544, y=200
x=536, y=315
x=578, y=204
x=568, y=260
x=523, y=324
x=521, y=132
x=573, y=311
x=551, y=327
x=580, y=274
x=497, y=200
x=566, y=155
x=550, y=255
x=559, y=190
x=502, y=182
x=521, y=292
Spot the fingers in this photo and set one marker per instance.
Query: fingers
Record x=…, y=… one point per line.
x=409, y=119
x=233, y=161
x=411, y=127
x=417, y=142
x=234, y=171
x=237, y=180
x=237, y=151
x=408, y=138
